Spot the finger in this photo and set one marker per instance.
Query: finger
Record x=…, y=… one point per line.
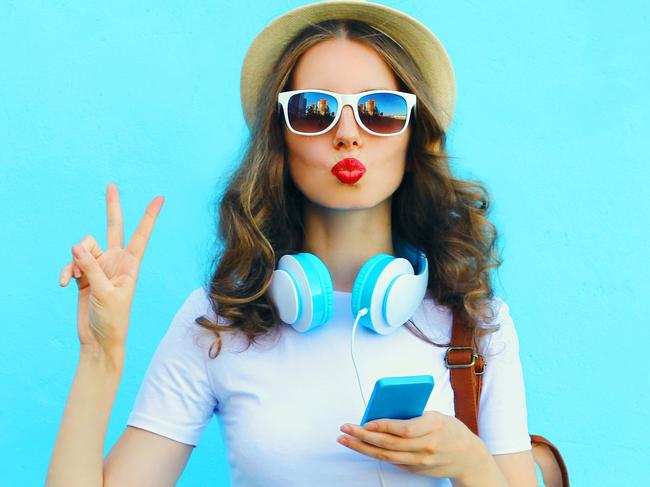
x=65, y=274
x=400, y=457
x=115, y=225
x=90, y=267
x=406, y=428
x=91, y=245
x=72, y=269
x=69, y=271
x=138, y=242
x=383, y=440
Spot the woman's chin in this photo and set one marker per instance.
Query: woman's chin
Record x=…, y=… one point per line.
x=345, y=202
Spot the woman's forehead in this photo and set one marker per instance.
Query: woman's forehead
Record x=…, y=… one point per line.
x=342, y=66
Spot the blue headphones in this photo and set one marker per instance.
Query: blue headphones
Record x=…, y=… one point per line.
x=387, y=286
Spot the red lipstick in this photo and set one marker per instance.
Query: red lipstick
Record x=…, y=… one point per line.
x=349, y=170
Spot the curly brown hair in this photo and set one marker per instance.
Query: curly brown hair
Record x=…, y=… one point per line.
x=260, y=212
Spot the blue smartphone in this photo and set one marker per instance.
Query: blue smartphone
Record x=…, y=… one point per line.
x=398, y=397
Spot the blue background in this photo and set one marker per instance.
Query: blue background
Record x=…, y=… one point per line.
x=552, y=114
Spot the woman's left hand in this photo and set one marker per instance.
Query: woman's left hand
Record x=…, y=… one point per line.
x=433, y=445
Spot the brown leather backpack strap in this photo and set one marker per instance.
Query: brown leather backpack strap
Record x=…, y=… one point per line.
x=466, y=367
x=564, y=473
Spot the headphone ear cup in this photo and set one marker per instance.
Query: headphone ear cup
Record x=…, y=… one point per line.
x=302, y=291
x=321, y=288
x=364, y=285
x=373, y=289
x=284, y=293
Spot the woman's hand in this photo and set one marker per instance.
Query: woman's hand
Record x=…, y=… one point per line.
x=106, y=279
x=433, y=445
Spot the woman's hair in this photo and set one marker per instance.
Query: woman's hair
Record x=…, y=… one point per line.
x=260, y=212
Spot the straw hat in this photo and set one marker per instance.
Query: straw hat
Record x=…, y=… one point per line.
x=425, y=48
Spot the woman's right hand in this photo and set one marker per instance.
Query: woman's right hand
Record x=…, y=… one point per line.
x=106, y=279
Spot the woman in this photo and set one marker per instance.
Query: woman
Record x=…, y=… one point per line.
x=317, y=178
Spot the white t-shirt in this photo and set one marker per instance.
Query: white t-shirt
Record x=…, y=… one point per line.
x=281, y=402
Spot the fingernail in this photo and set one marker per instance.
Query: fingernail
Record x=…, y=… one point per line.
x=371, y=426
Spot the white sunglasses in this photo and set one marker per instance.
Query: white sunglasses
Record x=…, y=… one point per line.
x=314, y=112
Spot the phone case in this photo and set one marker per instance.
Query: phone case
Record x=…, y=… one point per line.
x=398, y=397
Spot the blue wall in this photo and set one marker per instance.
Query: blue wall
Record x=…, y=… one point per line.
x=552, y=115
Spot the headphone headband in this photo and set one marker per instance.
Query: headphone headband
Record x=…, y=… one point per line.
x=389, y=287
x=415, y=256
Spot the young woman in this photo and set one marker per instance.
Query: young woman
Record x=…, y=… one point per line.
x=346, y=179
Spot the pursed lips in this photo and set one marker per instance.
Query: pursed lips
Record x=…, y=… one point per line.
x=349, y=170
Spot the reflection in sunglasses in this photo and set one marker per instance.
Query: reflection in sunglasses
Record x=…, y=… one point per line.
x=312, y=112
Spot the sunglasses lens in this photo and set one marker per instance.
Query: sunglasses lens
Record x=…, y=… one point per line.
x=311, y=112
x=384, y=113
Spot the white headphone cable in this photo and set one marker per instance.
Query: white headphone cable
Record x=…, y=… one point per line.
x=363, y=312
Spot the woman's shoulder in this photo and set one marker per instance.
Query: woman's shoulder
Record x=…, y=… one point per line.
x=196, y=303
x=199, y=303
x=502, y=340
x=184, y=327
x=437, y=321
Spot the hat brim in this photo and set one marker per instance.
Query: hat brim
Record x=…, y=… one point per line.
x=414, y=37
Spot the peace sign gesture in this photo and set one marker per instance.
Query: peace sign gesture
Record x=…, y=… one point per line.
x=106, y=279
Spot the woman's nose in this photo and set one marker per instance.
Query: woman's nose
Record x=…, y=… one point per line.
x=347, y=131
x=347, y=121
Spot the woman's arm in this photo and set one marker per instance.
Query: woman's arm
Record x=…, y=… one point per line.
x=139, y=457
x=518, y=468
x=78, y=454
x=507, y=470
x=486, y=474
x=106, y=282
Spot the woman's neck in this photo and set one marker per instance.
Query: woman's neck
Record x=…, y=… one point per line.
x=345, y=239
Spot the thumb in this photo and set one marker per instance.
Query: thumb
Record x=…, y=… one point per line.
x=88, y=264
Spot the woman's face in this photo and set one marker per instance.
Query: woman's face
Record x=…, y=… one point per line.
x=345, y=66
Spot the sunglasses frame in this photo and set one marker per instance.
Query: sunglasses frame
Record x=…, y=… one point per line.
x=344, y=99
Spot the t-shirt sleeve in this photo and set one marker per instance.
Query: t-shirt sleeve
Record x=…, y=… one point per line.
x=176, y=399
x=503, y=422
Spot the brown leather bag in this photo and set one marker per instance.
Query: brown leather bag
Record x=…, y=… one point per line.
x=466, y=367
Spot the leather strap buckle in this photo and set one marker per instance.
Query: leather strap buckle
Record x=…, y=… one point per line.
x=460, y=365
